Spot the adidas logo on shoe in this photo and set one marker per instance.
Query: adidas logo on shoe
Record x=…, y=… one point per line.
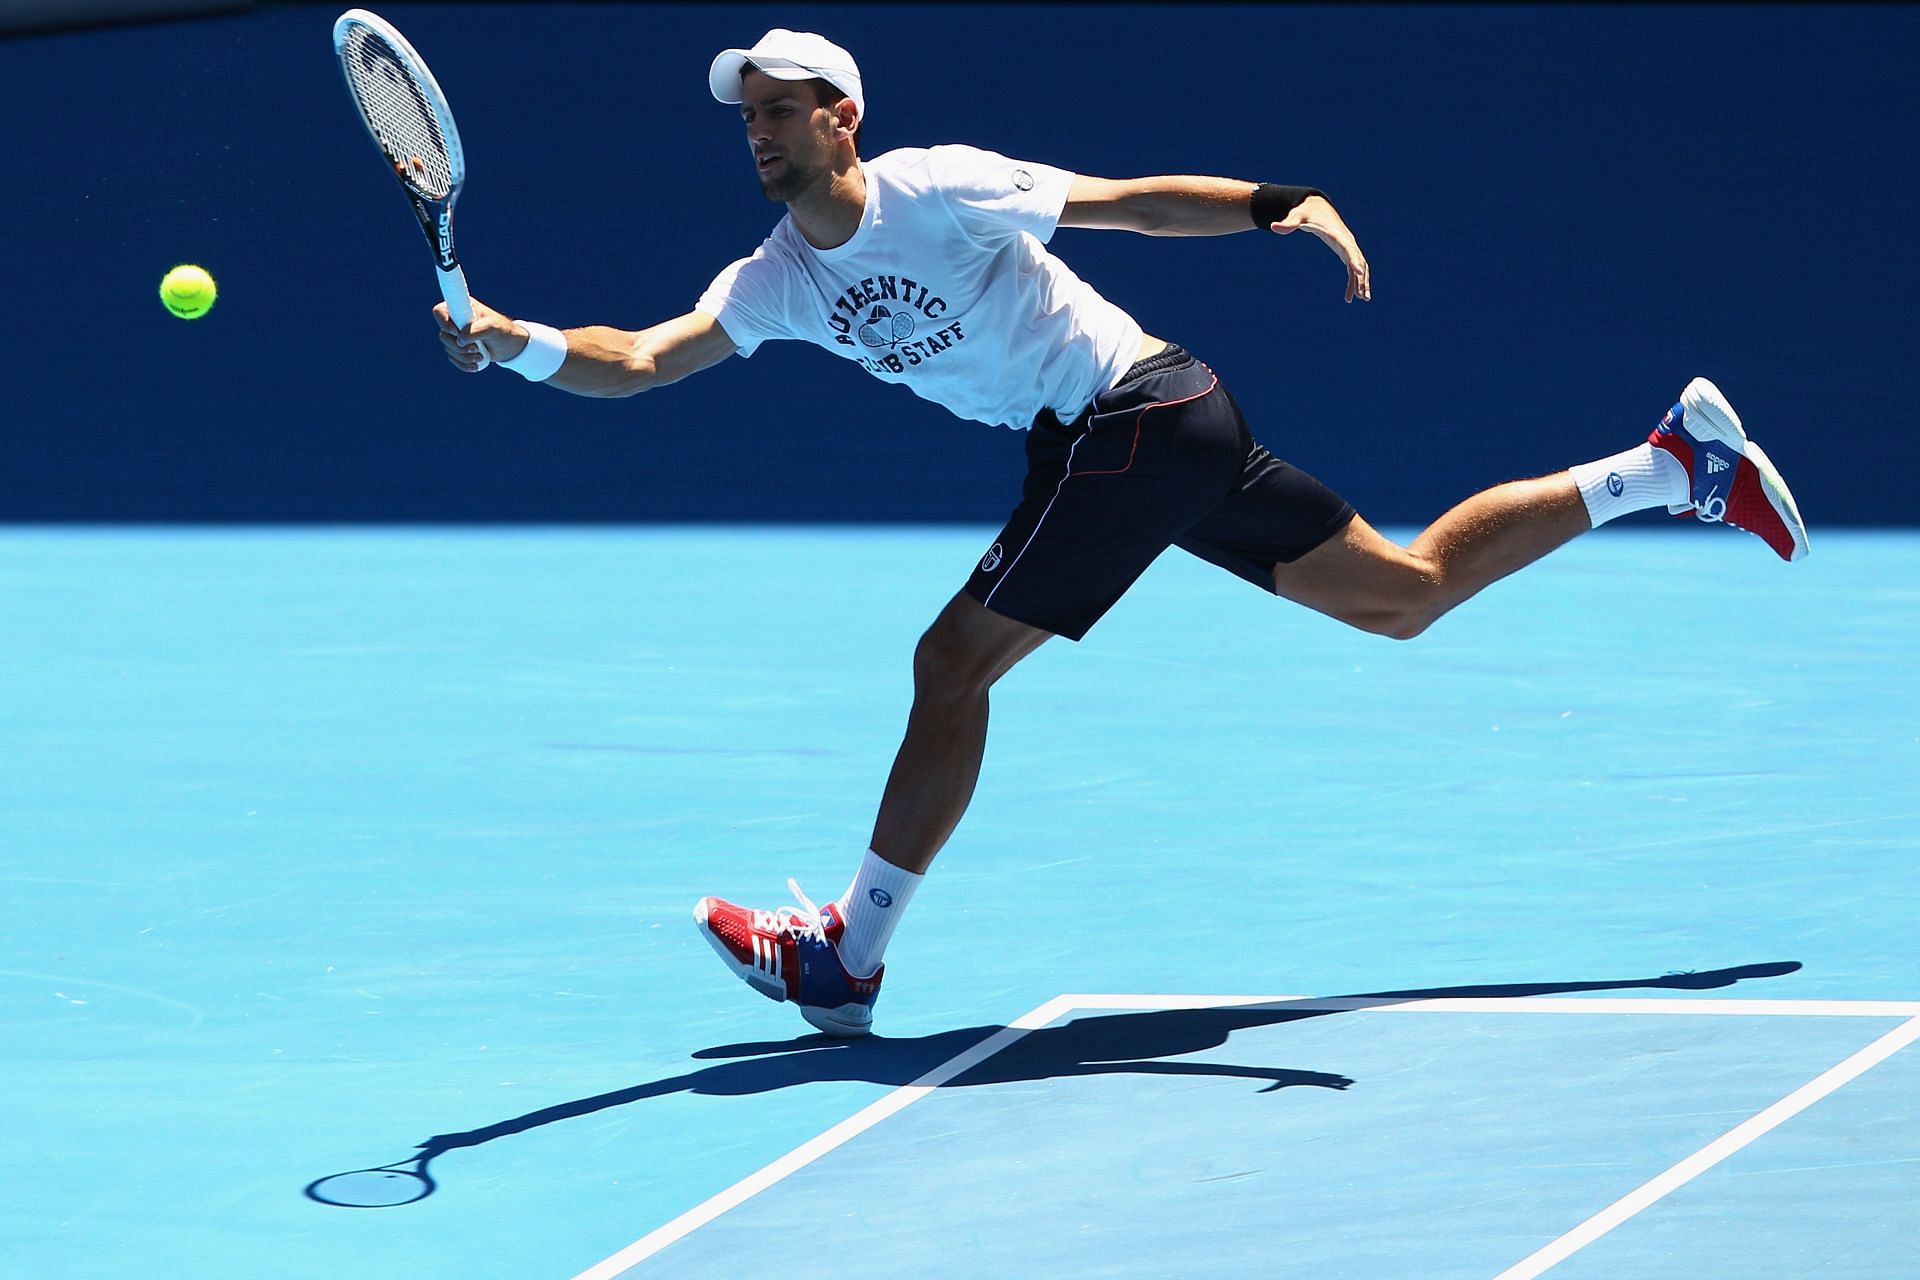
x=1730, y=479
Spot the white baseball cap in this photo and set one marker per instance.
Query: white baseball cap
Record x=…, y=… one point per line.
x=789, y=55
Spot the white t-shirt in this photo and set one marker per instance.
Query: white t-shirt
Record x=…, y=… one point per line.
x=946, y=287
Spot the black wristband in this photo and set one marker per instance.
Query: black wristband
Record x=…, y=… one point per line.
x=1272, y=203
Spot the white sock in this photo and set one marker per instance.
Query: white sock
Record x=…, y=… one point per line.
x=1641, y=477
x=872, y=906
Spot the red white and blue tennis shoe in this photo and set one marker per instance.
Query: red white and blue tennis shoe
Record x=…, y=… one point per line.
x=1731, y=479
x=793, y=954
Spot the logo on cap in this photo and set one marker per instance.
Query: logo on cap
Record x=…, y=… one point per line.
x=1022, y=179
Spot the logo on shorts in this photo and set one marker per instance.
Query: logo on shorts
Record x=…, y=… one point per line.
x=1022, y=179
x=1615, y=485
x=881, y=898
x=886, y=328
x=991, y=561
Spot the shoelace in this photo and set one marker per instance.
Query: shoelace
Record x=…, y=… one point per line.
x=806, y=922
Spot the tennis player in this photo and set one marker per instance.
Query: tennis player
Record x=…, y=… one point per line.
x=931, y=268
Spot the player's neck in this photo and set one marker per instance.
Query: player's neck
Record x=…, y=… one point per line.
x=829, y=213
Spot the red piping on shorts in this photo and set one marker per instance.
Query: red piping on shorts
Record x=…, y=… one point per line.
x=1137, y=421
x=1070, y=473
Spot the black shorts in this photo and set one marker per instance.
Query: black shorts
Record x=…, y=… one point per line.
x=1163, y=459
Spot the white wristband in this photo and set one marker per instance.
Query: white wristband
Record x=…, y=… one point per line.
x=545, y=352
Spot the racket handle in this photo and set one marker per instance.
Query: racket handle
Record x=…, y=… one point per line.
x=453, y=287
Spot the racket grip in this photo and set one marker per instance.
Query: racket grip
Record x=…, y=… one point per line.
x=453, y=287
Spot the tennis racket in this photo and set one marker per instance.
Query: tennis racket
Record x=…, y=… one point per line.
x=408, y=118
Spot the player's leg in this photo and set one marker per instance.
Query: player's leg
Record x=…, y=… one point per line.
x=959, y=658
x=1370, y=582
x=957, y=661
x=1698, y=459
x=1104, y=496
x=828, y=959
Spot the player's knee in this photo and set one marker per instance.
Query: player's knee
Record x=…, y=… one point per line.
x=1408, y=624
x=1399, y=619
x=946, y=666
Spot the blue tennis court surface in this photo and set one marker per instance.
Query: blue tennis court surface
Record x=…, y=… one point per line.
x=1251, y=1156
x=324, y=845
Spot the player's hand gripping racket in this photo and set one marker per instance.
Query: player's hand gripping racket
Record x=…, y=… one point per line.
x=409, y=120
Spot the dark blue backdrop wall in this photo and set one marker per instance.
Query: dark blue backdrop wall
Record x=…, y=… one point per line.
x=1569, y=210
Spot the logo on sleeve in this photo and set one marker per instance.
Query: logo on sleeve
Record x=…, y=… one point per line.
x=991, y=561
x=1022, y=179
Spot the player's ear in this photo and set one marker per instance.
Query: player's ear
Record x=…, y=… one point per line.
x=846, y=116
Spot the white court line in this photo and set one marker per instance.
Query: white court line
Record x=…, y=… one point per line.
x=860, y=1121
x=807, y=1152
x=1515, y=1004
x=1713, y=1153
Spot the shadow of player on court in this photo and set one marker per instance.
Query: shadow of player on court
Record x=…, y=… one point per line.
x=1144, y=1043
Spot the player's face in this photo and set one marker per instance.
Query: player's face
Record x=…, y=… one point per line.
x=789, y=132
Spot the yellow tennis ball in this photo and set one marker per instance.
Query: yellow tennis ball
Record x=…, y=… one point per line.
x=188, y=291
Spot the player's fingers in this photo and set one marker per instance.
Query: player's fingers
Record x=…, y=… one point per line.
x=463, y=351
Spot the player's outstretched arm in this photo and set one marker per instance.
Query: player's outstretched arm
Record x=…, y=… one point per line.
x=1188, y=205
x=601, y=361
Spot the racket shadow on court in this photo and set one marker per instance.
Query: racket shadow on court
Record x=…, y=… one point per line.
x=1098, y=1044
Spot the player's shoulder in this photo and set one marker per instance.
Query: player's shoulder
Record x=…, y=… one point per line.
x=960, y=159
x=901, y=163
x=959, y=153
x=784, y=244
x=961, y=167
x=941, y=159
x=774, y=258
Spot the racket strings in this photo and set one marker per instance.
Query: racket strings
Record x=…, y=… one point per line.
x=397, y=112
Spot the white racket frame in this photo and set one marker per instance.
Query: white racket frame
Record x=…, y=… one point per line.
x=439, y=224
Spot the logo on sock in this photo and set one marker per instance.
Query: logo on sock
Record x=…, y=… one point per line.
x=1615, y=485
x=881, y=898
